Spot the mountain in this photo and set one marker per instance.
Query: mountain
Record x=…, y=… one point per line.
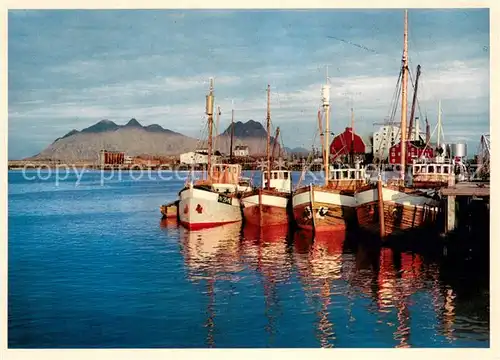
x=101, y=126
x=250, y=133
x=135, y=139
x=249, y=129
x=132, y=138
x=297, y=150
x=134, y=123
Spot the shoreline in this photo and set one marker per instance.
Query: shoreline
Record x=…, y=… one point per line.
x=34, y=166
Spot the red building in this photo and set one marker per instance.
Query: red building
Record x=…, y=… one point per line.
x=414, y=150
x=111, y=157
x=346, y=143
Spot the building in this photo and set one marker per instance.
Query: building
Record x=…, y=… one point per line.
x=111, y=157
x=347, y=143
x=386, y=137
x=198, y=157
x=414, y=150
x=139, y=161
x=241, y=151
x=129, y=160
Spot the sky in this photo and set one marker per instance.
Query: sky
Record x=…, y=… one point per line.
x=68, y=69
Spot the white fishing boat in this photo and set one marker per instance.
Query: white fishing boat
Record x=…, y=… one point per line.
x=213, y=201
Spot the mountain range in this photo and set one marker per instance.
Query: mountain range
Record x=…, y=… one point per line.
x=135, y=139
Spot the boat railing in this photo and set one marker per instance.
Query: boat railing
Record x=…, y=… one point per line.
x=347, y=174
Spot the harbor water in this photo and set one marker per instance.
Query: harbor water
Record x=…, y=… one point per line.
x=91, y=265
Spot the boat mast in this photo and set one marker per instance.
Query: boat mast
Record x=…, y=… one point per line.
x=427, y=132
x=403, y=96
x=439, y=124
x=210, y=112
x=275, y=143
x=217, y=120
x=320, y=126
x=413, y=104
x=326, y=104
x=232, y=135
x=268, y=125
x=352, y=136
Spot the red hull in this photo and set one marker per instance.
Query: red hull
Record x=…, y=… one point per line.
x=327, y=223
x=208, y=225
x=265, y=215
x=268, y=234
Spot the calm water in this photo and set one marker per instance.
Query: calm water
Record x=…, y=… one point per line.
x=92, y=266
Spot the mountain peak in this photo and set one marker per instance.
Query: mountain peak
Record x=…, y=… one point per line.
x=133, y=123
x=101, y=126
x=251, y=128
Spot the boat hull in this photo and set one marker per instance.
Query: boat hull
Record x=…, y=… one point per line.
x=266, y=209
x=169, y=211
x=200, y=209
x=323, y=209
x=403, y=211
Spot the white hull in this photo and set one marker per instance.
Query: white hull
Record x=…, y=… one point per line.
x=323, y=197
x=267, y=200
x=200, y=209
x=394, y=196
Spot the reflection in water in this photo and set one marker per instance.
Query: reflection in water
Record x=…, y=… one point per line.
x=169, y=223
x=319, y=262
x=330, y=271
x=210, y=323
x=266, y=251
x=210, y=255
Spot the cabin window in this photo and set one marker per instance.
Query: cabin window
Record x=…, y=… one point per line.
x=281, y=176
x=345, y=174
x=438, y=169
x=265, y=176
x=431, y=169
x=275, y=176
x=286, y=175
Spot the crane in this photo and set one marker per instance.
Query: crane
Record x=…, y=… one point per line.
x=412, y=114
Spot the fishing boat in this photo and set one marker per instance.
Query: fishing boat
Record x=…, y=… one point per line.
x=215, y=200
x=169, y=211
x=330, y=206
x=395, y=206
x=268, y=205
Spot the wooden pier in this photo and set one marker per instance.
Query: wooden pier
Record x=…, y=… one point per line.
x=463, y=194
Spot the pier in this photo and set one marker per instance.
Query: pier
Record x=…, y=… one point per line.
x=464, y=202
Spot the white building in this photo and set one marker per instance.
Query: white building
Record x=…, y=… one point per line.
x=197, y=157
x=241, y=151
x=387, y=136
x=128, y=160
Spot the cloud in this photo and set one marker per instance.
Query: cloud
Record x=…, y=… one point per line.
x=155, y=66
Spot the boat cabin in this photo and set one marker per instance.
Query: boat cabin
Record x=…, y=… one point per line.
x=431, y=173
x=347, y=178
x=281, y=180
x=226, y=178
x=225, y=173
